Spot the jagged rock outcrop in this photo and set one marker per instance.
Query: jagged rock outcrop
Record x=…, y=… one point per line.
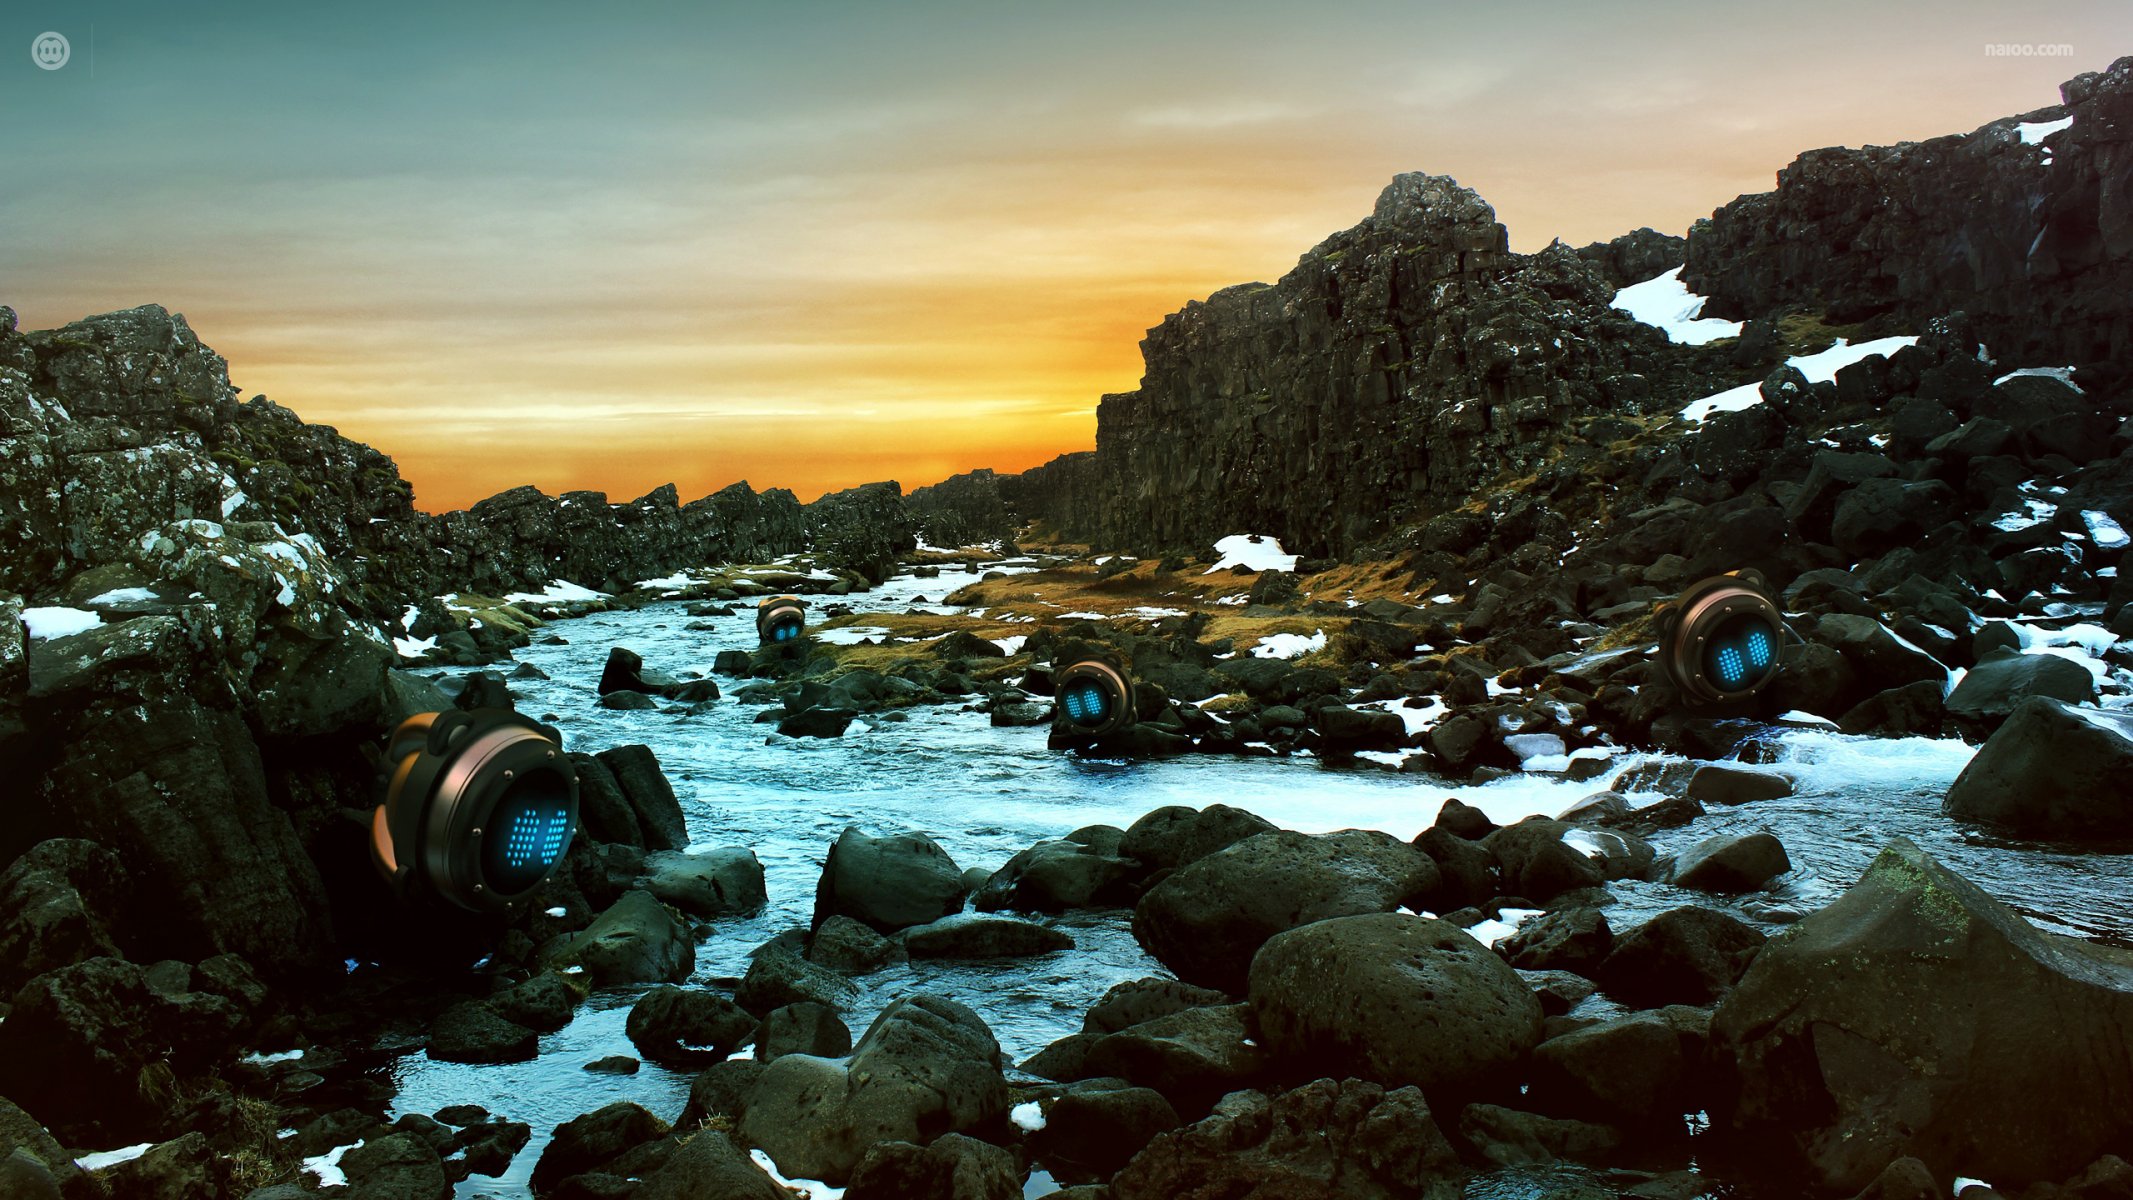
x=2033, y=241
x=962, y=510
x=863, y=529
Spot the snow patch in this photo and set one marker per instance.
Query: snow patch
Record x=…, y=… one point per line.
x=557, y=591
x=2064, y=375
x=1012, y=645
x=132, y=595
x=2109, y=534
x=327, y=1166
x=811, y=1189
x=2033, y=133
x=1028, y=1115
x=59, y=621
x=108, y=1158
x=414, y=647
x=267, y=1060
x=849, y=635
x=1504, y=924
x=1289, y=645
x=1667, y=303
x=1820, y=367
x=1253, y=552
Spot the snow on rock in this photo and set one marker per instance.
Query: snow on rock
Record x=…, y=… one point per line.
x=131, y=595
x=1289, y=645
x=414, y=647
x=111, y=1158
x=2108, y=534
x=559, y=591
x=1506, y=923
x=1253, y=552
x=327, y=1166
x=1819, y=367
x=2033, y=133
x=59, y=621
x=1028, y=1115
x=850, y=635
x=2064, y=375
x=1532, y=745
x=808, y=1188
x=1012, y=645
x=1667, y=303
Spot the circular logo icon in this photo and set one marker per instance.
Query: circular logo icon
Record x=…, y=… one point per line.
x=51, y=51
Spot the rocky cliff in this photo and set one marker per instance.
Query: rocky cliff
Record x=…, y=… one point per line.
x=2025, y=224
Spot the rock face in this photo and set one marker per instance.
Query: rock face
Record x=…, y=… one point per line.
x=926, y=1067
x=1918, y=1016
x=1207, y=920
x=2033, y=242
x=1393, y=998
x=1401, y=360
x=2054, y=770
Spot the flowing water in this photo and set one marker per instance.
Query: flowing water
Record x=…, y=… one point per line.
x=985, y=793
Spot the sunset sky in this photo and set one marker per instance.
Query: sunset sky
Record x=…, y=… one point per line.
x=811, y=245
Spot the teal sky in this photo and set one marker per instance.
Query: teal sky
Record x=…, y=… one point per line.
x=816, y=244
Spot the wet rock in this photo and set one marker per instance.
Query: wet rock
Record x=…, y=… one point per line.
x=651, y=798
x=1091, y=1131
x=1351, y=1139
x=1558, y=991
x=777, y=977
x=628, y=701
x=398, y=1166
x=1463, y=820
x=1910, y=710
x=604, y=813
x=1716, y=783
x=970, y=936
x=816, y=722
x=1466, y=871
x=687, y=1027
x=1175, y=836
x=1509, y=1138
x=613, y=1064
x=25, y=1176
x=60, y=904
x=1393, y=998
x=926, y=1067
x=1643, y=1070
x=592, y=1141
x=2003, y=678
x=1206, y=920
x=1058, y=876
x=1538, y=864
x=1574, y=939
x=720, y=1091
x=1192, y=1056
x=1682, y=956
x=472, y=1032
x=803, y=1028
x=850, y=948
x=1731, y=863
x=1877, y=654
x=2053, y=770
x=1903, y=1179
x=637, y=940
x=708, y=1164
x=1341, y=728
x=1917, y=989
x=889, y=882
x=726, y=881
x=77, y=1040
x=1137, y=1000
x=953, y=1167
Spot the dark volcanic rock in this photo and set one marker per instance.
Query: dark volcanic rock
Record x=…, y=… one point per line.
x=1174, y=836
x=687, y=1027
x=1350, y=1139
x=1908, y=1018
x=888, y=882
x=471, y=1032
x=726, y=881
x=589, y=1142
x=637, y=940
x=974, y=936
x=2001, y=680
x=1207, y=920
x=59, y=905
x=1193, y=1056
x=952, y=1167
x=2053, y=770
x=1393, y=998
x=1731, y=863
x=1681, y=956
x=1091, y=1131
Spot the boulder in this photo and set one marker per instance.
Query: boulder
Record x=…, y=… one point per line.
x=977, y=936
x=850, y=948
x=20, y=1134
x=777, y=977
x=1207, y=919
x=890, y=882
x=1573, y=939
x=706, y=1164
x=472, y=1032
x=1057, y=876
x=687, y=1027
x=1917, y=1016
x=1091, y=1131
x=2053, y=770
x=1644, y=1070
x=590, y=1142
x=1341, y=728
x=1882, y=659
x=1682, y=956
x=726, y=881
x=604, y=813
x=1907, y=710
x=1731, y=863
x=953, y=1167
x=720, y=1091
x=2003, y=678
x=60, y=903
x=1174, y=836
x=1394, y=998
x=1138, y=1000
x=1719, y=783
x=1351, y=1139
x=651, y=798
x=1510, y=1138
x=1538, y=864
x=637, y=940
x=926, y=1067
x=803, y=1028
x=816, y=722
x=1193, y=1056
x=396, y=1165
x=1466, y=871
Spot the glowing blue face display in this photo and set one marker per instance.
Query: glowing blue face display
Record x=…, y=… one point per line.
x=527, y=833
x=785, y=629
x=1741, y=653
x=1085, y=702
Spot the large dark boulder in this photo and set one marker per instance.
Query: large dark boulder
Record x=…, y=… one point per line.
x=720, y=882
x=1731, y=863
x=2003, y=678
x=2054, y=770
x=888, y=882
x=1174, y=835
x=637, y=774
x=1193, y=1056
x=687, y=1027
x=637, y=940
x=1091, y=1131
x=1351, y=1139
x=1917, y=1016
x=1207, y=920
x=926, y=1067
x=979, y=936
x=472, y=1032
x=1394, y=998
x=1684, y=955
x=1645, y=1070
x=952, y=1167
x=1056, y=876
x=593, y=1140
x=707, y=1163
x=1538, y=864
x=60, y=903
